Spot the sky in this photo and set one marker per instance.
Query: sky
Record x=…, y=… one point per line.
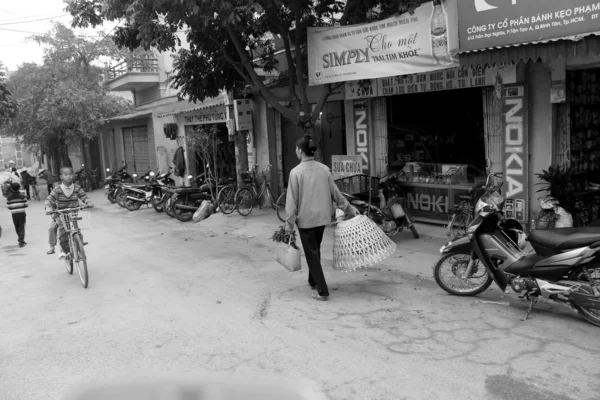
x=32, y=17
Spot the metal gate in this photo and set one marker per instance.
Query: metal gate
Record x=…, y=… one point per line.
x=135, y=142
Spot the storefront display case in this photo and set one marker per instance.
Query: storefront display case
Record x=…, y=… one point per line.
x=433, y=191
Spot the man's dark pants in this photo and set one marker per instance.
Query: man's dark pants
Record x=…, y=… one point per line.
x=311, y=242
x=19, y=221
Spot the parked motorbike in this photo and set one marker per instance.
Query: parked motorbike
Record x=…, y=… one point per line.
x=138, y=195
x=123, y=188
x=159, y=186
x=111, y=182
x=187, y=200
x=561, y=269
x=391, y=215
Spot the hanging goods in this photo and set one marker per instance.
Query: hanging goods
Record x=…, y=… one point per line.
x=358, y=243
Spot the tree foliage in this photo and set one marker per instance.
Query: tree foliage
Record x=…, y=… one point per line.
x=229, y=39
x=62, y=100
x=8, y=104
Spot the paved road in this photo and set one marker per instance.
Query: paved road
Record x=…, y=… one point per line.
x=166, y=296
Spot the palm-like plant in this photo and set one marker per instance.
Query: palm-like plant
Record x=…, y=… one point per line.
x=558, y=182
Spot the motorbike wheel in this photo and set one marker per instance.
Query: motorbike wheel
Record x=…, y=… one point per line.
x=111, y=197
x=182, y=215
x=591, y=315
x=157, y=204
x=132, y=205
x=168, y=206
x=479, y=274
x=121, y=198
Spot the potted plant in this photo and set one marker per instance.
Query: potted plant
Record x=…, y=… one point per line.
x=556, y=182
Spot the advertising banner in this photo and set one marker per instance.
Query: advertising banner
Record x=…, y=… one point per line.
x=492, y=23
x=405, y=44
x=515, y=152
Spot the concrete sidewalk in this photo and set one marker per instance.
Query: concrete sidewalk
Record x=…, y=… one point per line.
x=414, y=256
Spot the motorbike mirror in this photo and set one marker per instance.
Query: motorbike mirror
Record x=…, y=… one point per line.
x=83, y=165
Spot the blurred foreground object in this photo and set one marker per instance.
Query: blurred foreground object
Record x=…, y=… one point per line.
x=198, y=387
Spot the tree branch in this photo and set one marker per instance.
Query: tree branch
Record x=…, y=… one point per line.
x=257, y=83
x=329, y=89
x=299, y=64
x=347, y=10
x=292, y=77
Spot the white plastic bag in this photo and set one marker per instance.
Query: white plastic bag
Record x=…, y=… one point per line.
x=565, y=219
x=289, y=257
x=203, y=211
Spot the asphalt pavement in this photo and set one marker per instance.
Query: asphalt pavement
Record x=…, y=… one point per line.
x=174, y=297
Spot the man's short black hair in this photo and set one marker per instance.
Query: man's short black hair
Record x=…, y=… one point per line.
x=64, y=168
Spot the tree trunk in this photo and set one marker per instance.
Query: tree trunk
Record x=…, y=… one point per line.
x=241, y=156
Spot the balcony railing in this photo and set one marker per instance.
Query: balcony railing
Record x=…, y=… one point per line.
x=139, y=65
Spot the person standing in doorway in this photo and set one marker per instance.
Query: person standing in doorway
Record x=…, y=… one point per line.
x=17, y=203
x=309, y=205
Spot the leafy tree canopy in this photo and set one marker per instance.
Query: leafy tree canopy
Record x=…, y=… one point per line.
x=63, y=100
x=229, y=39
x=8, y=104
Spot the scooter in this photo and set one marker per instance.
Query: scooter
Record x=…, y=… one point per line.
x=562, y=268
x=124, y=188
x=159, y=186
x=186, y=200
x=137, y=195
x=111, y=182
x=391, y=215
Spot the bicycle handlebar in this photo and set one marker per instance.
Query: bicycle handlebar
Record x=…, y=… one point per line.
x=66, y=210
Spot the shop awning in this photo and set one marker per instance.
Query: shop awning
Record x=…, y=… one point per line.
x=126, y=117
x=574, y=46
x=217, y=101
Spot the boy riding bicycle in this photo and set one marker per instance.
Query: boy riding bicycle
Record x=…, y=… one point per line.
x=65, y=195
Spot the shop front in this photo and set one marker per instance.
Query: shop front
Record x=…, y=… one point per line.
x=438, y=130
x=557, y=49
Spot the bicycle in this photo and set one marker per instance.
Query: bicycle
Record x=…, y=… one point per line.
x=35, y=194
x=245, y=196
x=465, y=212
x=226, y=199
x=76, y=255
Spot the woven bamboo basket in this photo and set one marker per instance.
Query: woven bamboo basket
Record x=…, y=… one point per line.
x=359, y=243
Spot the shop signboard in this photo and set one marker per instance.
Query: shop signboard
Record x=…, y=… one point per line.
x=515, y=152
x=361, y=133
x=493, y=23
x=449, y=79
x=426, y=40
x=212, y=115
x=428, y=202
x=343, y=166
x=361, y=89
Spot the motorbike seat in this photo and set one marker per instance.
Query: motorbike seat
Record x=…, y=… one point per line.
x=564, y=238
x=187, y=190
x=524, y=264
x=465, y=197
x=135, y=186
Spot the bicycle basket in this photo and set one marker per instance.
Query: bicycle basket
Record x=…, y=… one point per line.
x=247, y=177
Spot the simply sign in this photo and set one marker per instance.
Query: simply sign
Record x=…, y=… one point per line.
x=515, y=145
x=361, y=133
x=343, y=166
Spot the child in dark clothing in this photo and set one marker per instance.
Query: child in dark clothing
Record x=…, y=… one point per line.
x=17, y=203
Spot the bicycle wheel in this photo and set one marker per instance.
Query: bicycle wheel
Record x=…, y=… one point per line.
x=244, y=198
x=458, y=225
x=281, y=206
x=80, y=260
x=69, y=264
x=226, y=199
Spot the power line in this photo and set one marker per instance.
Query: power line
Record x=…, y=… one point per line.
x=45, y=33
x=34, y=20
x=20, y=18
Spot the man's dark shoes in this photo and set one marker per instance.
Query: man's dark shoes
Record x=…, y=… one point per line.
x=22, y=244
x=317, y=296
